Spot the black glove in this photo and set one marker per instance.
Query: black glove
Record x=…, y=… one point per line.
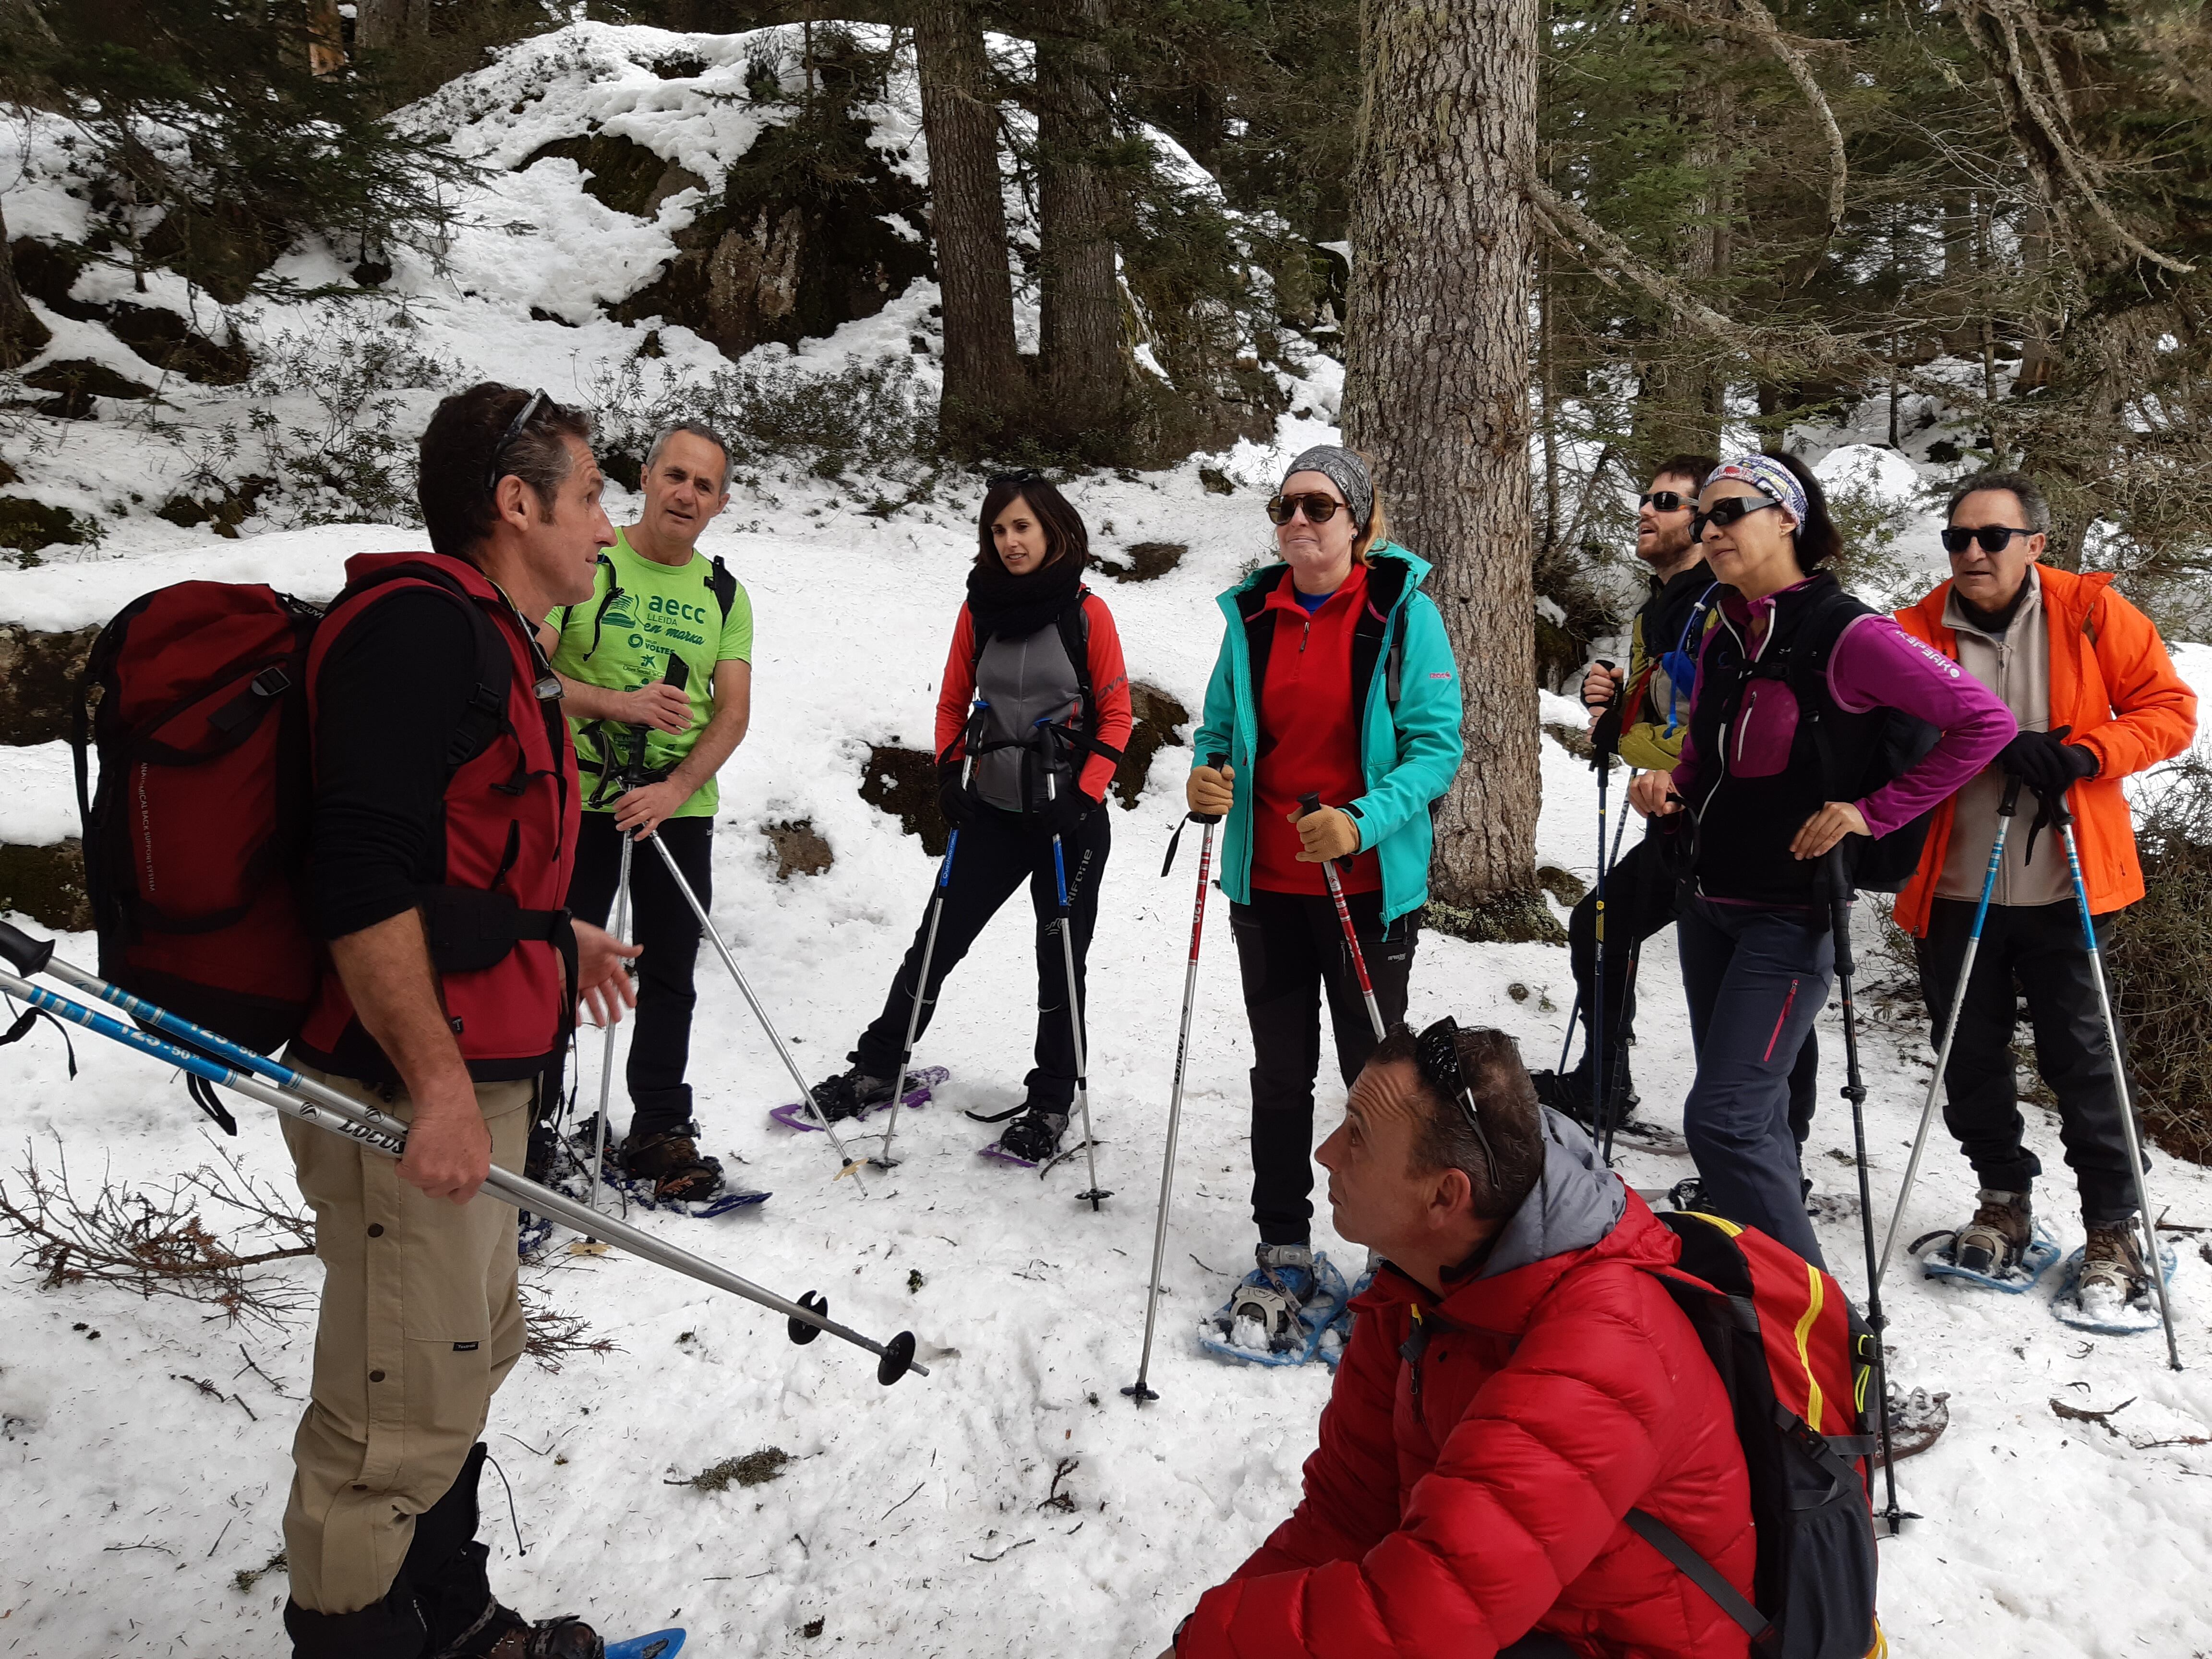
x=1069, y=808
x=2046, y=763
x=951, y=793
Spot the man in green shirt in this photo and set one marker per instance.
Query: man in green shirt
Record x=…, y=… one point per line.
x=656, y=598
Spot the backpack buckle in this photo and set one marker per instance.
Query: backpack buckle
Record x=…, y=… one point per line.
x=272, y=682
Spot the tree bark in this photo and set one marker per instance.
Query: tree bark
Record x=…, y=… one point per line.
x=21, y=333
x=1085, y=377
x=983, y=378
x=385, y=24
x=1436, y=396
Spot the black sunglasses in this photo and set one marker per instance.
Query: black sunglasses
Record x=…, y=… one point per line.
x=536, y=401
x=1319, y=508
x=1957, y=539
x=1728, y=512
x=1666, y=500
x=1026, y=475
x=1436, y=1053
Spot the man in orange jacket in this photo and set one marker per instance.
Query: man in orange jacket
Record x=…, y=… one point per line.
x=2097, y=699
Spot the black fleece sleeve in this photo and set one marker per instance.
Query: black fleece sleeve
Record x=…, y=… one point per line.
x=389, y=696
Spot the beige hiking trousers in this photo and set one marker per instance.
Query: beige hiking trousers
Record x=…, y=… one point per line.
x=420, y=1325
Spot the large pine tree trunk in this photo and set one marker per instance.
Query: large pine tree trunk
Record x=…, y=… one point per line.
x=384, y=25
x=983, y=379
x=1086, y=378
x=21, y=333
x=1436, y=395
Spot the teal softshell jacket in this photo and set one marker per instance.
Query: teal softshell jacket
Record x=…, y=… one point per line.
x=1409, y=755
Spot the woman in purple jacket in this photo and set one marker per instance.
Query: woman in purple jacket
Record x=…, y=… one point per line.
x=1784, y=758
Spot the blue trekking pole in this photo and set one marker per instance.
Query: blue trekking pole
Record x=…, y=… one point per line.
x=211, y=1058
x=883, y=1159
x=2153, y=1267
x=2006, y=808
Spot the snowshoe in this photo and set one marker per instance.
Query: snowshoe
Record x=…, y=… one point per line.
x=661, y=1644
x=2105, y=1286
x=856, y=1094
x=1570, y=1092
x=1030, y=1139
x=2004, y=1248
x=641, y=1187
x=1334, y=1339
x=1283, y=1312
x=670, y=1159
x=1917, y=1420
x=503, y=1634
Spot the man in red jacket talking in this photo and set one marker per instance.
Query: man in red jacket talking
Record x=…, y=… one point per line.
x=1517, y=1380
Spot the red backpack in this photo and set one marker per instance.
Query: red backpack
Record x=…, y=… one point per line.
x=195, y=698
x=1795, y=1359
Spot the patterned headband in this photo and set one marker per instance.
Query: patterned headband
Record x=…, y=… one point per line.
x=1346, y=471
x=1765, y=473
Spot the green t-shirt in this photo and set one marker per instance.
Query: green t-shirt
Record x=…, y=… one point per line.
x=659, y=609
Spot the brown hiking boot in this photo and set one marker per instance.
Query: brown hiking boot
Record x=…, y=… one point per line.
x=672, y=1163
x=2112, y=1271
x=1994, y=1241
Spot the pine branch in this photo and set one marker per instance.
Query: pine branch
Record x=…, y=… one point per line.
x=1768, y=31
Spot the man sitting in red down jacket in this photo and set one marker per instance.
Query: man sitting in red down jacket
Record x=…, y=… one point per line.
x=1516, y=1383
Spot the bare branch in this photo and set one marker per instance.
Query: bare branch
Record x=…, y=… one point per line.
x=1763, y=26
x=1565, y=217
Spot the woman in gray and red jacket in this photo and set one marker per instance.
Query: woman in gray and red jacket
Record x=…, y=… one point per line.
x=1035, y=681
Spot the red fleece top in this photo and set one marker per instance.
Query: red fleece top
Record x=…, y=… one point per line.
x=1109, y=688
x=1309, y=735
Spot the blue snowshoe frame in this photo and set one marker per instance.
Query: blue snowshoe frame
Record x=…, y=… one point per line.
x=1328, y=1310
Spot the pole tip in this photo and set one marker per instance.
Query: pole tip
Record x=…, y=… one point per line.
x=1140, y=1393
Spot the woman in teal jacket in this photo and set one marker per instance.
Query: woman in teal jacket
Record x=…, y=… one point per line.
x=1335, y=679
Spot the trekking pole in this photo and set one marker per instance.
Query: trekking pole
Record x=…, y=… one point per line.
x=323, y=1107
x=1575, y=1008
x=1839, y=880
x=1308, y=805
x=1137, y=1391
x=2006, y=808
x=1095, y=1197
x=883, y=1159
x=676, y=674
x=851, y=1165
x=2064, y=820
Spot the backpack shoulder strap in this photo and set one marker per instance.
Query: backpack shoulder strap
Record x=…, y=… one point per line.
x=725, y=585
x=1075, y=640
x=1699, y=1571
x=485, y=717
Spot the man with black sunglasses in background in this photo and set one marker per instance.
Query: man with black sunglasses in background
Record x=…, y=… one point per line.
x=1639, y=713
x=2086, y=676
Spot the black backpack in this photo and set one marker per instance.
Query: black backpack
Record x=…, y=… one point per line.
x=1786, y=1342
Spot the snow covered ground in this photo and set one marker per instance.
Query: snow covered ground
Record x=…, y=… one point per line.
x=1013, y=1503
x=921, y=1519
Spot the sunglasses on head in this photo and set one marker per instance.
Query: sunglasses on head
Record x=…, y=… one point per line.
x=1319, y=508
x=1957, y=539
x=1436, y=1054
x=1665, y=500
x=536, y=401
x=1728, y=512
x=1021, y=474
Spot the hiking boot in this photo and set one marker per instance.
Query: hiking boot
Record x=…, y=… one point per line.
x=670, y=1159
x=1569, y=1093
x=1995, y=1240
x=2112, y=1271
x=503, y=1634
x=1034, y=1135
x=851, y=1093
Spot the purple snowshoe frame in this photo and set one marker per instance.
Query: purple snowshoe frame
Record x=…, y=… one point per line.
x=923, y=1080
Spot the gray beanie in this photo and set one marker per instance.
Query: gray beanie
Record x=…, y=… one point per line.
x=1346, y=471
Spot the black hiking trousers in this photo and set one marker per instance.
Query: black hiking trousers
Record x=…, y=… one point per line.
x=1290, y=947
x=996, y=852
x=661, y=921
x=2037, y=948
x=1640, y=897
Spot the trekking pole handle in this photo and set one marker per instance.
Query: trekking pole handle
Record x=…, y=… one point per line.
x=2010, y=804
x=1310, y=804
x=30, y=955
x=1217, y=761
